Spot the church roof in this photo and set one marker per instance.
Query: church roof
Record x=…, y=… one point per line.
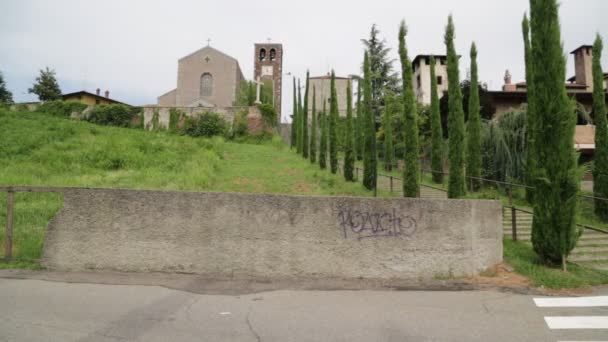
x=211, y=49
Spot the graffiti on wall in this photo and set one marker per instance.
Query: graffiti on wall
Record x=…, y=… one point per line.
x=364, y=224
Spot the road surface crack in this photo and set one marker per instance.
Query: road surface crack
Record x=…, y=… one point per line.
x=255, y=334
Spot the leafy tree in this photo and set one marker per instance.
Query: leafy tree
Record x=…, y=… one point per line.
x=300, y=126
x=456, y=181
x=600, y=168
x=333, y=122
x=474, y=128
x=349, y=153
x=245, y=95
x=369, y=152
x=324, y=134
x=436, y=130
x=389, y=150
x=359, y=141
x=294, y=118
x=554, y=232
x=411, y=170
x=5, y=95
x=530, y=113
x=381, y=68
x=313, y=128
x=305, y=120
x=487, y=107
x=46, y=86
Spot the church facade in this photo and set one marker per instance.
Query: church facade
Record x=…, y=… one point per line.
x=205, y=78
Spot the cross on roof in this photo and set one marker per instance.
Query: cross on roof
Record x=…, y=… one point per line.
x=269, y=40
x=208, y=41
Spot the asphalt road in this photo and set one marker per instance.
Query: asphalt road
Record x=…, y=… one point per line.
x=38, y=310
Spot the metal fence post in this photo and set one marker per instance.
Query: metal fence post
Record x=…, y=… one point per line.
x=8, y=235
x=513, y=215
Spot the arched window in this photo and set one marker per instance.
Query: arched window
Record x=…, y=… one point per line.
x=273, y=54
x=262, y=54
x=206, y=84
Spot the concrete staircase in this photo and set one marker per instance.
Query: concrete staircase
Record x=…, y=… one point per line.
x=591, y=250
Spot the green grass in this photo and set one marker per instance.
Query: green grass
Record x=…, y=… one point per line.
x=38, y=149
x=524, y=261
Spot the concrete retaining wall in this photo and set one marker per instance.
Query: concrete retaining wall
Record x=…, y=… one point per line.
x=273, y=236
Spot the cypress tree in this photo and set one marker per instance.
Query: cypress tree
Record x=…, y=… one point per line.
x=600, y=165
x=530, y=113
x=456, y=181
x=411, y=170
x=389, y=150
x=474, y=127
x=436, y=130
x=333, y=123
x=323, y=143
x=300, y=131
x=349, y=148
x=369, y=159
x=359, y=141
x=305, y=121
x=554, y=232
x=294, y=118
x=313, y=128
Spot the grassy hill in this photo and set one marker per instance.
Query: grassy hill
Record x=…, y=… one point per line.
x=38, y=149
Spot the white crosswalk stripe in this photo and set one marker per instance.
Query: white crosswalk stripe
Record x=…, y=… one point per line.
x=565, y=322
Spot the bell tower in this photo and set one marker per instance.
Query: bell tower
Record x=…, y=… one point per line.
x=268, y=65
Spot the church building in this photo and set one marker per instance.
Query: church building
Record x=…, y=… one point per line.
x=205, y=78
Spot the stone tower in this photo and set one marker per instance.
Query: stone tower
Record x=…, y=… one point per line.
x=268, y=65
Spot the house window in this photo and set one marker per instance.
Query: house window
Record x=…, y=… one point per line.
x=439, y=80
x=96, y=101
x=206, y=84
x=418, y=81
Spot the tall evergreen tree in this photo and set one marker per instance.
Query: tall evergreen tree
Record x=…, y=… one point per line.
x=436, y=130
x=349, y=144
x=456, y=181
x=389, y=150
x=369, y=152
x=381, y=66
x=554, y=232
x=411, y=170
x=324, y=137
x=46, y=86
x=359, y=141
x=313, y=128
x=305, y=120
x=600, y=167
x=300, y=126
x=333, y=123
x=474, y=127
x=5, y=95
x=530, y=113
x=294, y=118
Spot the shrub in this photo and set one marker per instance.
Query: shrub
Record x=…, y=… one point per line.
x=174, y=116
x=62, y=108
x=112, y=115
x=269, y=114
x=205, y=125
x=239, y=126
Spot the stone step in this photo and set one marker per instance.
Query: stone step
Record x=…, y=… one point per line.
x=602, y=266
x=526, y=234
x=590, y=250
x=597, y=257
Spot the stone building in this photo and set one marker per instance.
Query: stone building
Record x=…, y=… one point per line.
x=322, y=85
x=268, y=65
x=422, y=77
x=205, y=78
x=579, y=86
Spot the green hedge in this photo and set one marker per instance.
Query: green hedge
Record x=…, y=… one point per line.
x=113, y=115
x=205, y=125
x=62, y=108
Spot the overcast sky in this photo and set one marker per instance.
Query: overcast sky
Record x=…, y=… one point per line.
x=132, y=47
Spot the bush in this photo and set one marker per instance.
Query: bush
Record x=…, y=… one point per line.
x=112, y=115
x=268, y=113
x=205, y=125
x=239, y=128
x=62, y=108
